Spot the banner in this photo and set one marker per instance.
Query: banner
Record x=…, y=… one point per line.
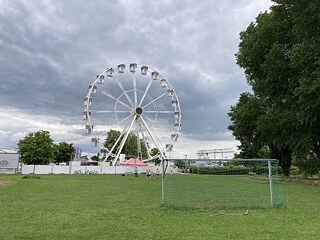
x=9, y=160
x=77, y=153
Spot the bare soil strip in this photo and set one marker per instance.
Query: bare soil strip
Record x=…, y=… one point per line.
x=5, y=182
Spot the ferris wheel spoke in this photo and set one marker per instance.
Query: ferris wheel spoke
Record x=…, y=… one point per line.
x=152, y=137
x=114, y=98
x=124, y=91
x=123, y=120
x=158, y=111
x=109, y=111
x=149, y=119
x=119, y=138
x=145, y=92
x=124, y=140
x=144, y=138
x=154, y=127
x=154, y=100
x=135, y=89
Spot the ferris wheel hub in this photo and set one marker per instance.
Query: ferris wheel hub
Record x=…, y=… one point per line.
x=139, y=110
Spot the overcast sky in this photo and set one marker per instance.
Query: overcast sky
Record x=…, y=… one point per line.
x=50, y=51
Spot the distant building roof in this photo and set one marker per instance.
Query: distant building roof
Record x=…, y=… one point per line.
x=9, y=150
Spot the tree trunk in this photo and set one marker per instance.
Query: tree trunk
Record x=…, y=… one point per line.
x=317, y=151
x=284, y=156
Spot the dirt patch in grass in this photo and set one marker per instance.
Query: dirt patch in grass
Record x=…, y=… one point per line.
x=5, y=182
x=313, y=182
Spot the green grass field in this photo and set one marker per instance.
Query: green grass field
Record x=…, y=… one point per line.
x=221, y=191
x=117, y=207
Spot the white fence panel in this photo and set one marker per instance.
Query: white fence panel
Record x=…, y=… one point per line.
x=144, y=169
x=27, y=169
x=75, y=169
x=129, y=169
x=108, y=170
x=93, y=170
x=42, y=169
x=57, y=169
x=120, y=170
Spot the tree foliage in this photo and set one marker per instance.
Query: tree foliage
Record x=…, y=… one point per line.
x=63, y=152
x=131, y=146
x=36, y=148
x=95, y=158
x=155, y=152
x=244, y=117
x=180, y=163
x=280, y=53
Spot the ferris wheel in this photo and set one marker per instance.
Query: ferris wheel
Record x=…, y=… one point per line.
x=134, y=100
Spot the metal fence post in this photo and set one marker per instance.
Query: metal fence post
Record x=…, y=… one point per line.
x=162, y=183
x=270, y=182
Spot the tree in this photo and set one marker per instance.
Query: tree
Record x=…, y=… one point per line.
x=131, y=146
x=36, y=148
x=154, y=152
x=247, y=127
x=95, y=157
x=280, y=53
x=180, y=163
x=244, y=117
x=63, y=152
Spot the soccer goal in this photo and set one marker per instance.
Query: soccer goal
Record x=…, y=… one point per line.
x=222, y=183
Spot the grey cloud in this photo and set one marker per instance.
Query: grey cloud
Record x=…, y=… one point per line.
x=52, y=50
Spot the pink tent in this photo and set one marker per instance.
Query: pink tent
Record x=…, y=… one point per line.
x=90, y=161
x=134, y=162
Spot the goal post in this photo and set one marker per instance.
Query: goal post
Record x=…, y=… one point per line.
x=221, y=183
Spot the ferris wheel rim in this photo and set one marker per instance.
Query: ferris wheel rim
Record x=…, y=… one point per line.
x=134, y=104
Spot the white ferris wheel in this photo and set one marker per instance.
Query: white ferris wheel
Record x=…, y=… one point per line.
x=135, y=100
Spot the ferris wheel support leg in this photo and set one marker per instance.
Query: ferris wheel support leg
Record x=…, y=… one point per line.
x=163, y=157
x=114, y=145
x=124, y=141
x=152, y=137
x=145, y=141
x=117, y=141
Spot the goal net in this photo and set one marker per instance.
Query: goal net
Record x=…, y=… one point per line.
x=222, y=183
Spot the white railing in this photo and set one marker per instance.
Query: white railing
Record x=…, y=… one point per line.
x=72, y=169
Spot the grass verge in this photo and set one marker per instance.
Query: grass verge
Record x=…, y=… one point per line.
x=117, y=207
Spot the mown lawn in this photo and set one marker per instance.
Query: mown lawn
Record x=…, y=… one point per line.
x=221, y=191
x=116, y=207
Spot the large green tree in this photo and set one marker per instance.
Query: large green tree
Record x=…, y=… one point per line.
x=248, y=128
x=36, y=148
x=63, y=152
x=280, y=53
x=244, y=117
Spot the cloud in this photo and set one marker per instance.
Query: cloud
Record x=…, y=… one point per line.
x=52, y=50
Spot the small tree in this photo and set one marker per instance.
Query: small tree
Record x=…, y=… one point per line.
x=36, y=148
x=131, y=146
x=153, y=152
x=95, y=157
x=63, y=152
x=180, y=163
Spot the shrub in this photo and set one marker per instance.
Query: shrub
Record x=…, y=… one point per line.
x=31, y=176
